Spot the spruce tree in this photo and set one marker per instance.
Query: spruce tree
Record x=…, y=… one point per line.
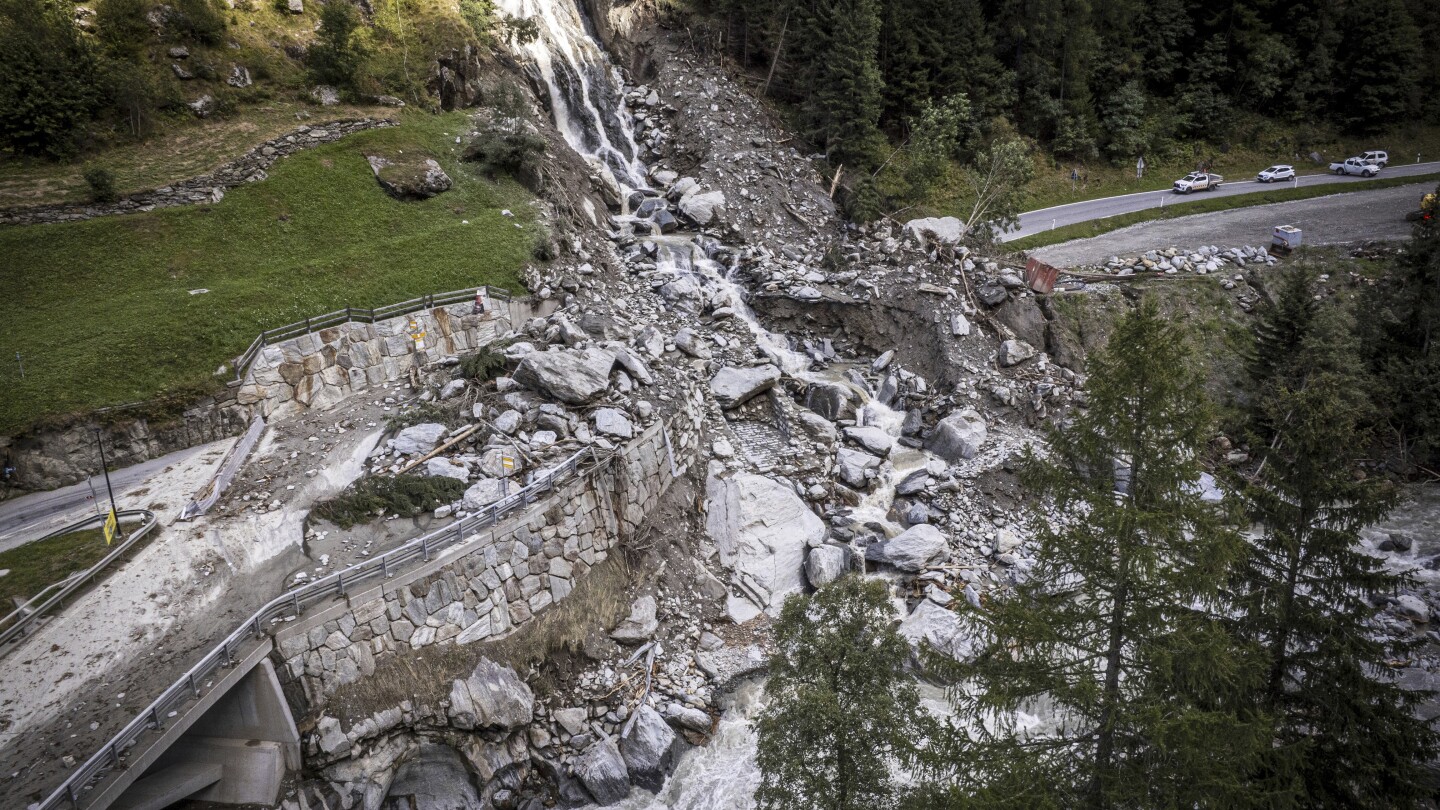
x=1119, y=635
x=845, y=93
x=1346, y=734
x=840, y=710
x=1381, y=60
x=1406, y=350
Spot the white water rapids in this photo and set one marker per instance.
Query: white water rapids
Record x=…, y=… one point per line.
x=586, y=96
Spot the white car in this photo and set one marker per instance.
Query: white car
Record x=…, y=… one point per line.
x=1378, y=157
x=1276, y=173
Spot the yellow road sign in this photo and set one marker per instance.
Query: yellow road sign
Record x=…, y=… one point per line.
x=112, y=524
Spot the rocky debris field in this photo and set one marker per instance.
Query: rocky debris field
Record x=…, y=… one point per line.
x=1203, y=260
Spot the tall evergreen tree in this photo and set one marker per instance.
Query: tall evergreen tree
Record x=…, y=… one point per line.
x=845, y=91
x=1381, y=60
x=841, y=709
x=1347, y=735
x=1406, y=351
x=1119, y=634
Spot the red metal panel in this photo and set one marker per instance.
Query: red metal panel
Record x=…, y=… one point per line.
x=1040, y=276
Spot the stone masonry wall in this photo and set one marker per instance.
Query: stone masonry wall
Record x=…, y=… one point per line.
x=495, y=583
x=321, y=368
x=207, y=188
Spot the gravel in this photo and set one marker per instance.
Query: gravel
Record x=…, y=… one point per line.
x=1349, y=217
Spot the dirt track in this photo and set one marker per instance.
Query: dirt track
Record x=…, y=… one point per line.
x=1350, y=217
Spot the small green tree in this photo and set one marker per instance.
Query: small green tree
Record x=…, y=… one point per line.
x=1120, y=635
x=841, y=711
x=102, y=184
x=994, y=188
x=337, y=54
x=1346, y=733
x=47, y=78
x=939, y=137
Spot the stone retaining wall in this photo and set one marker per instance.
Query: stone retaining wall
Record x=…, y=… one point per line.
x=207, y=188
x=319, y=369
x=498, y=581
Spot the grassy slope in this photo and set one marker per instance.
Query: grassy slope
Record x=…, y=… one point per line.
x=100, y=309
x=185, y=148
x=1082, y=230
x=36, y=565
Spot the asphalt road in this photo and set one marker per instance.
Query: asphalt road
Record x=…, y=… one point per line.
x=1058, y=216
x=28, y=517
x=1376, y=214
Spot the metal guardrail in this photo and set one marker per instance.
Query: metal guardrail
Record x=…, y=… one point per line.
x=14, y=625
x=293, y=603
x=207, y=496
x=352, y=314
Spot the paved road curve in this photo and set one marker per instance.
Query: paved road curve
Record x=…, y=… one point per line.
x=1058, y=216
x=27, y=517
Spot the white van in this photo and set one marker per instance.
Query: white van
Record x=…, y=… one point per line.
x=1377, y=157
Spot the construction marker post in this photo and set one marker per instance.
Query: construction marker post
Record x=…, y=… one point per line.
x=506, y=465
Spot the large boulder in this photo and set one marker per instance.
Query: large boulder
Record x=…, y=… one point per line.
x=852, y=465
x=872, y=438
x=493, y=697
x=573, y=376
x=649, y=750
x=958, y=436
x=614, y=422
x=825, y=564
x=409, y=177
x=483, y=493
x=640, y=625
x=702, y=206
x=831, y=400
x=447, y=468
x=1014, y=352
x=601, y=769
x=936, y=230
x=912, y=550
x=816, y=427
x=761, y=528
x=419, y=438
x=736, y=386
x=941, y=629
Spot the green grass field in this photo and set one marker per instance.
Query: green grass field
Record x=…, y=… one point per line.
x=1082, y=230
x=101, y=311
x=36, y=565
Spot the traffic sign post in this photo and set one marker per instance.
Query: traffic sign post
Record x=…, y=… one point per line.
x=105, y=468
x=112, y=524
x=506, y=465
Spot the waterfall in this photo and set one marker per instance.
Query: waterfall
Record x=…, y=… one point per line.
x=585, y=87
